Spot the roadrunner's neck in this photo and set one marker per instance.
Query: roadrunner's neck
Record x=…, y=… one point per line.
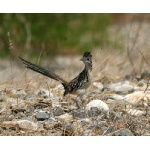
x=83, y=80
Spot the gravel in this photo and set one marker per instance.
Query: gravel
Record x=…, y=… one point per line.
x=41, y=109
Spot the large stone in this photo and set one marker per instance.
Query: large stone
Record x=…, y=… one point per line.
x=102, y=106
x=138, y=98
x=121, y=87
x=27, y=125
x=116, y=97
x=135, y=112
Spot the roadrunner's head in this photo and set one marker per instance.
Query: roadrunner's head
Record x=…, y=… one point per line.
x=87, y=60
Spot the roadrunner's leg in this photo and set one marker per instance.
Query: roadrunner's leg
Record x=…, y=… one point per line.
x=78, y=102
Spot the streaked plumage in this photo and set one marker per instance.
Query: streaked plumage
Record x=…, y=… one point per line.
x=81, y=82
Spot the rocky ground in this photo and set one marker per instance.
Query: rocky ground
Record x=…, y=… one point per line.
x=31, y=104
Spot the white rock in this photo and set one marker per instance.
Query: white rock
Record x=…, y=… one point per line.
x=18, y=91
x=138, y=98
x=99, y=86
x=65, y=117
x=116, y=97
x=28, y=125
x=121, y=87
x=116, y=100
x=102, y=106
x=15, y=101
x=135, y=112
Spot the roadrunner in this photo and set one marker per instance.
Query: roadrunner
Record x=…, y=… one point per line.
x=76, y=86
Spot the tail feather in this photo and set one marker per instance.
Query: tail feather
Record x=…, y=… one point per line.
x=43, y=71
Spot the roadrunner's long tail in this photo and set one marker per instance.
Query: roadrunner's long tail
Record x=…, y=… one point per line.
x=43, y=71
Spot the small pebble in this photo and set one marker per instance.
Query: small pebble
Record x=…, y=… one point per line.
x=18, y=93
x=87, y=132
x=79, y=113
x=41, y=116
x=30, y=97
x=57, y=111
x=124, y=132
x=47, y=94
x=65, y=117
x=93, y=112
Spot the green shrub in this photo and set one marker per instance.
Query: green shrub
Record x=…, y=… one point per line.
x=53, y=33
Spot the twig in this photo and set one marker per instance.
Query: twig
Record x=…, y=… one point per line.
x=148, y=83
x=144, y=58
x=10, y=44
x=40, y=55
x=105, y=131
x=141, y=64
x=112, y=133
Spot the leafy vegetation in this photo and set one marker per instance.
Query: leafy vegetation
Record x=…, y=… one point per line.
x=53, y=33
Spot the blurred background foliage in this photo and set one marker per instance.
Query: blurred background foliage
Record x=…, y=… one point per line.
x=51, y=34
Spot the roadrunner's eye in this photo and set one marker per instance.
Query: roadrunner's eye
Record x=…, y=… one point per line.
x=88, y=59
